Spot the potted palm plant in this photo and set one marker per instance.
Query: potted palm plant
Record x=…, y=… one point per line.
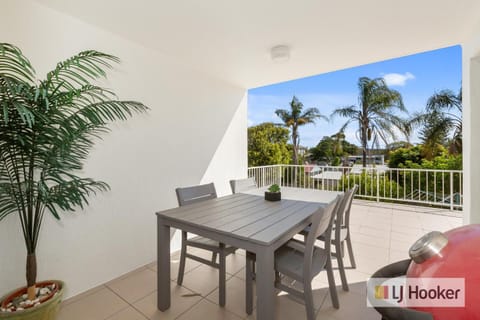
x=47, y=129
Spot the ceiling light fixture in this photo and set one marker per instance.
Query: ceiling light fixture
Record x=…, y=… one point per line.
x=280, y=53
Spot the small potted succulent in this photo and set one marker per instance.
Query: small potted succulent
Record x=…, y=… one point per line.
x=273, y=193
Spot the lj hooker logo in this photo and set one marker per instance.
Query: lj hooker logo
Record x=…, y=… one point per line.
x=416, y=292
x=381, y=292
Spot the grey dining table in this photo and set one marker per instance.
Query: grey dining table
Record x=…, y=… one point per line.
x=243, y=220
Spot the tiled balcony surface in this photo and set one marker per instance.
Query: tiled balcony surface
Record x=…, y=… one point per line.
x=381, y=233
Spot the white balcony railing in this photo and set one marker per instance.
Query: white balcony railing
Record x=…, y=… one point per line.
x=442, y=188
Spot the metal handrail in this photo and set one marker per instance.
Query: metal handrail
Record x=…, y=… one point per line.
x=429, y=187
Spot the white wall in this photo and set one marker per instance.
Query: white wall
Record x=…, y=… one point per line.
x=471, y=126
x=233, y=145
x=195, y=132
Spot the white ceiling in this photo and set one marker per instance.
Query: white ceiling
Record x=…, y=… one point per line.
x=231, y=39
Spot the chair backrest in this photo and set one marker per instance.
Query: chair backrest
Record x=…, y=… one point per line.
x=322, y=222
x=345, y=217
x=194, y=194
x=343, y=213
x=240, y=185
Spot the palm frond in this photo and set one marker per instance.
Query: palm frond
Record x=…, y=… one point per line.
x=69, y=194
x=345, y=125
x=14, y=65
x=284, y=115
x=442, y=118
x=310, y=113
x=8, y=201
x=79, y=70
x=435, y=129
x=346, y=112
x=444, y=100
x=15, y=97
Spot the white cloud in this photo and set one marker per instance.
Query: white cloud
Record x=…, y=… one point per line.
x=250, y=122
x=398, y=79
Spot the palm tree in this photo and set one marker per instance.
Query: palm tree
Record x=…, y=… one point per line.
x=375, y=114
x=448, y=106
x=296, y=117
x=338, y=140
x=434, y=134
x=47, y=128
x=441, y=120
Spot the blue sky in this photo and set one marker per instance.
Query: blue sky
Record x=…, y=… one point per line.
x=416, y=77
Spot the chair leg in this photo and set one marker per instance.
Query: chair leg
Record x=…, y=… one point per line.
x=331, y=284
x=308, y=295
x=350, y=252
x=221, y=276
x=183, y=252
x=341, y=267
x=214, y=257
x=249, y=284
x=342, y=249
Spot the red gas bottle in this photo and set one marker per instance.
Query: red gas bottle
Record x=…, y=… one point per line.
x=453, y=254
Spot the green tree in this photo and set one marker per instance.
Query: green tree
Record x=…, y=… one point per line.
x=349, y=148
x=414, y=158
x=336, y=161
x=323, y=151
x=434, y=134
x=441, y=122
x=444, y=161
x=267, y=145
x=444, y=115
x=296, y=117
x=369, y=185
x=338, y=139
x=398, y=144
x=450, y=105
x=332, y=147
x=375, y=114
x=437, y=185
x=401, y=156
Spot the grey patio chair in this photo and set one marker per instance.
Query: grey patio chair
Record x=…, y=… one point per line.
x=340, y=235
x=191, y=195
x=302, y=261
x=240, y=185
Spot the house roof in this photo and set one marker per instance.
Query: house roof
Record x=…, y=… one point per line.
x=231, y=40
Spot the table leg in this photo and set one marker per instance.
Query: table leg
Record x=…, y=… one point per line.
x=265, y=284
x=163, y=265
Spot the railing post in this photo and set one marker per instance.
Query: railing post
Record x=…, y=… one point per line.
x=451, y=190
x=378, y=186
x=263, y=177
x=279, y=175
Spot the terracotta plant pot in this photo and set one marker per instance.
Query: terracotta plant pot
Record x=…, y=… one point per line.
x=273, y=196
x=47, y=310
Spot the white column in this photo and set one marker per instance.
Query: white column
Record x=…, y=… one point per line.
x=471, y=127
x=472, y=145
